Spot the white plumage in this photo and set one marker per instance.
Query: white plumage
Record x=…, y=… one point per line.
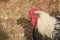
x=45, y=24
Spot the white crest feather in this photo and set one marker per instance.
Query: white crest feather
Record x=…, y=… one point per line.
x=45, y=24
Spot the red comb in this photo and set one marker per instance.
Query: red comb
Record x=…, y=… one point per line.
x=32, y=10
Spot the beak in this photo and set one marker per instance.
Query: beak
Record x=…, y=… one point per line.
x=39, y=12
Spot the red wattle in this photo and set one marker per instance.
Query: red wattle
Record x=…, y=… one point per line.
x=34, y=20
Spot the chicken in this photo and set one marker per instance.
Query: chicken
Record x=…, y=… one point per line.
x=42, y=21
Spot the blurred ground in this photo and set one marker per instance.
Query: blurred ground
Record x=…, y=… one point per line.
x=12, y=10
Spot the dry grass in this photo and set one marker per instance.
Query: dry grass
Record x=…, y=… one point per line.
x=11, y=10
